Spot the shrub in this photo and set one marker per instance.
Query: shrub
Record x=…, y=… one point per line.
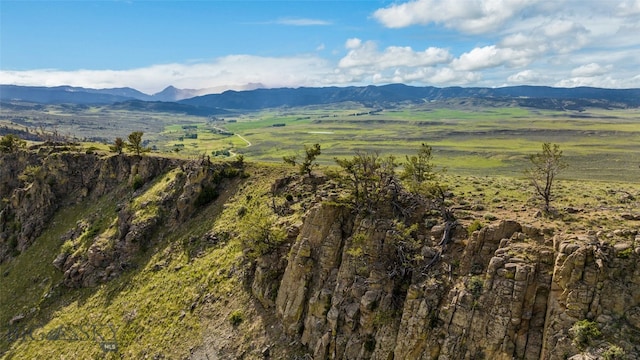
x=31, y=173
x=236, y=317
x=475, y=226
x=10, y=143
x=67, y=248
x=137, y=182
x=242, y=211
x=625, y=254
x=309, y=162
x=584, y=331
x=118, y=145
x=230, y=172
x=490, y=217
x=475, y=285
x=135, y=143
x=614, y=352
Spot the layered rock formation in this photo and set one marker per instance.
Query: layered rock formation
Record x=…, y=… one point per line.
x=508, y=291
x=92, y=254
x=36, y=185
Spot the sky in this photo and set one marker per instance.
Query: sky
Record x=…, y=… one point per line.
x=218, y=45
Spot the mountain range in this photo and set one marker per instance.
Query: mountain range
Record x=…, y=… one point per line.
x=259, y=98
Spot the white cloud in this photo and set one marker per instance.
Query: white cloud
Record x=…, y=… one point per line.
x=600, y=81
x=491, y=56
x=367, y=55
x=471, y=16
x=533, y=41
x=527, y=77
x=353, y=43
x=447, y=76
x=427, y=75
x=364, y=62
x=302, y=22
x=629, y=8
x=229, y=71
x=590, y=70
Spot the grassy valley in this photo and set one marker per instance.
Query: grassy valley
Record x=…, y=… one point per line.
x=469, y=137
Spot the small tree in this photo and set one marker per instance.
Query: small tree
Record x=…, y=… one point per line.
x=135, y=142
x=118, y=145
x=367, y=176
x=545, y=166
x=420, y=177
x=309, y=162
x=11, y=143
x=311, y=153
x=418, y=168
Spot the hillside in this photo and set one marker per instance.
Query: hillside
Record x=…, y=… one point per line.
x=68, y=94
x=117, y=256
x=541, y=97
x=530, y=96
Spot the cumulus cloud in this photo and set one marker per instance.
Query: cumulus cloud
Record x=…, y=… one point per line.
x=492, y=56
x=427, y=75
x=366, y=54
x=364, y=62
x=471, y=16
x=570, y=39
x=526, y=77
x=353, y=43
x=590, y=70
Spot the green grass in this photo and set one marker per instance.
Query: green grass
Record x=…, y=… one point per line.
x=34, y=282
x=467, y=139
x=159, y=307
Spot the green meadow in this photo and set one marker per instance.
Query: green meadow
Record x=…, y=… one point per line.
x=468, y=137
x=598, y=144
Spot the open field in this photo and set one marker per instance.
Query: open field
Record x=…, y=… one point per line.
x=467, y=139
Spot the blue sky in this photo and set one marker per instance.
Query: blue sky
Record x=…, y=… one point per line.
x=218, y=45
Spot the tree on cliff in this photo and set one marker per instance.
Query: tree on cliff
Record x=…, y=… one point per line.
x=118, y=145
x=135, y=142
x=418, y=168
x=544, y=168
x=420, y=177
x=367, y=176
x=11, y=143
x=309, y=162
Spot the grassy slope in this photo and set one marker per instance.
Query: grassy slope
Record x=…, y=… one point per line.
x=161, y=307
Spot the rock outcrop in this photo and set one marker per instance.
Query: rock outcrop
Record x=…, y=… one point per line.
x=169, y=192
x=39, y=184
x=508, y=291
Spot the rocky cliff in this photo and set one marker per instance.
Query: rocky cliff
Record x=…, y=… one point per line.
x=337, y=283
x=506, y=291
